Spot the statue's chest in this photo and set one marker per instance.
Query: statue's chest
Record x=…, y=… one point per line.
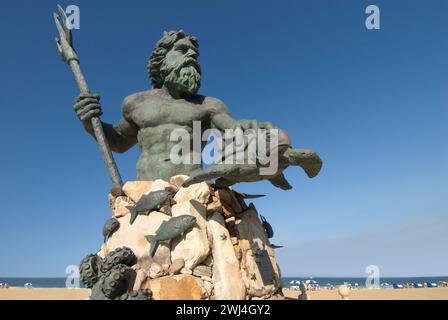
x=181, y=113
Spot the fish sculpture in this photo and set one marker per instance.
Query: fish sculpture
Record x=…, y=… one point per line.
x=267, y=227
x=170, y=229
x=110, y=226
x=149, y=202
x=243, y=196
x=227, y=175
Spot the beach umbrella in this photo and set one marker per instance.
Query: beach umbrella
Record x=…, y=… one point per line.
x=311, y=281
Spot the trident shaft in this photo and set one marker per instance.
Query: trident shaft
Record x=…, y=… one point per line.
x=65, y=47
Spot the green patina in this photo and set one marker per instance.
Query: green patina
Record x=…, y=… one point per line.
x=149, y=117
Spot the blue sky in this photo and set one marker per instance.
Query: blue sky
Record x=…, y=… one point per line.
x=372, y=103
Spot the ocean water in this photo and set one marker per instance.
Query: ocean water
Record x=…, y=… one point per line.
x=36, y=282
x=60, y=282
x=322, y=281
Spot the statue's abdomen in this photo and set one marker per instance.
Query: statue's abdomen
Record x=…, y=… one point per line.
x=156, y=161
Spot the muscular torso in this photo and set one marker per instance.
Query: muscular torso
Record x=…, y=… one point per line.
x=155, y=117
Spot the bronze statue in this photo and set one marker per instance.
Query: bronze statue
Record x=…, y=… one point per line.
x=149, y=119
x=173, y=103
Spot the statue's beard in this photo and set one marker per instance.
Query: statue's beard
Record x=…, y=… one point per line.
x=184, y=79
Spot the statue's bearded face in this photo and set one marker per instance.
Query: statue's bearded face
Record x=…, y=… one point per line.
x=181, y=68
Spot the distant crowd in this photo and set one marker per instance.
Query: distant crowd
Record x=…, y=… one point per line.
x=4, y=285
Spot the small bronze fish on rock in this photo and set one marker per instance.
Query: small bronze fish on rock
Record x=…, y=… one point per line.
x=267, y=227
x=149, y=202
x=110, y=226
x=170, y=229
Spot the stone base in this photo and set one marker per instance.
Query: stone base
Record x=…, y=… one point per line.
x=227, y=255
x=177, y=287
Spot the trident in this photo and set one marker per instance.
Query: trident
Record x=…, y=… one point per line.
x=68, y=54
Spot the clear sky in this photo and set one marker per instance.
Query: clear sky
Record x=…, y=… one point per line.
x=372, y=103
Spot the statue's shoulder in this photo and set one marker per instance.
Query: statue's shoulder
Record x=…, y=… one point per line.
x=215, y=105
x=133, y=101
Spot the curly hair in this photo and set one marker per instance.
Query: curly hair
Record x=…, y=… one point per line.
x=160, y=50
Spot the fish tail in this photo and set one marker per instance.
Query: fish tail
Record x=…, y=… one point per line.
x=133, y=217
x=153, y=244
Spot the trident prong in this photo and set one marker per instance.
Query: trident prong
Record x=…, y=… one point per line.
x=64, y=42
x=67, y=26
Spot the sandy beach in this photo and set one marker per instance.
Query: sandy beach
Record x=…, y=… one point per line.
x=358, y=294
x=43, y=294
x=379, y=294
